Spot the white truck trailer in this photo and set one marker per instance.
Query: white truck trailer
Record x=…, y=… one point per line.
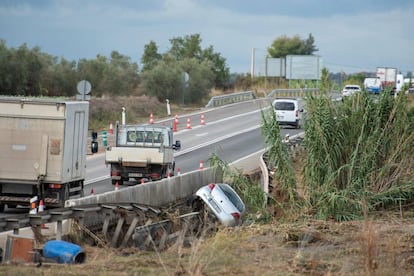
x=43, y=146
x=387, y=76
x=141, y=153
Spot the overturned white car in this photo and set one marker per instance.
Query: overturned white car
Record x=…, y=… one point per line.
x=223, y=202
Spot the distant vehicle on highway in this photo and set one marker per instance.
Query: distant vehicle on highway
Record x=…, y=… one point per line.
x=289, y=111
x=350, y=89
x=373, y=85
x=223, y=202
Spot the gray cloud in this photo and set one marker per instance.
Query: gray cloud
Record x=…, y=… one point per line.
x=351, y=35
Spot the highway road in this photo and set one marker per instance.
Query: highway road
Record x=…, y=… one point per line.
x=231, y=132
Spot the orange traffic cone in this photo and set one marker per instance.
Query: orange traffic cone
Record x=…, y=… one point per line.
x=202, y=122
x=175, y=126
x=41, y=206
x=176, y=119
x=142, y=181
x=188, y=123
x=42, y=209
x=116, y=186
x=201, y=165
x=33, y=208
x=151, y=119
x=92, y=191
x=178, y=171
x=111, y=128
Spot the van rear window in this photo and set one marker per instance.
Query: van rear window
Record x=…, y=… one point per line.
x=284, y=106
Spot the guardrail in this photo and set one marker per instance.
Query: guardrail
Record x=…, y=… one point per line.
x=250, y=95
x=293, y=93
x=293, y=144
x=231, y=98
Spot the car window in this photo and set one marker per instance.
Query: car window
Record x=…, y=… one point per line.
x=284, y=106
x=232, y=197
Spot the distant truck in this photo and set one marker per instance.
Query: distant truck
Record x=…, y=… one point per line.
x=390, y=78
x=387, y=76
x=141, y=153
x=373, y=85
x=43, y=147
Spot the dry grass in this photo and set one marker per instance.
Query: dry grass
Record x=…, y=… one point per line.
x=108, y=109
x=382, y=246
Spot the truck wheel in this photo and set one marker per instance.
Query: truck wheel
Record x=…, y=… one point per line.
x=2, y=208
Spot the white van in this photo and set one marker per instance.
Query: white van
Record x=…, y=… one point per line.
x=289, y=112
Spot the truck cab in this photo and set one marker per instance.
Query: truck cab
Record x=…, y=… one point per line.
x=141, y=153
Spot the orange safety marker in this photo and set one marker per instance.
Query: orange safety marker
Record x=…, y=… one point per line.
x=178, y=171
x=201, y=165
x=202, y=122
x=33, y=208
x=116, y=186
x=41, y=206
x=42, y=209
x=175, y=127
x=151, y=119
x=176, y=119
x=111, y=128
x=188, y=123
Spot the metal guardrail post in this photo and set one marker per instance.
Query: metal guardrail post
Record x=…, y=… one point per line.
x=59, y=217
x=14, y=224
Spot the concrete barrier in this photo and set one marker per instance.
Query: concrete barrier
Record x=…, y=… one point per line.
x=157, y=193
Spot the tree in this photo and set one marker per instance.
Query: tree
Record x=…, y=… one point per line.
x=60, y=78
x=220, y=70
x=165, y=80
x=121, y=74
x=283, y=46
x=309, y=47
x=93, y=71
x=116, y=76
x=150, y=57
x=201, y=79
x=187, y=47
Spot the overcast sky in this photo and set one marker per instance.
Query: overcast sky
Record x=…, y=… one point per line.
x=351, y=35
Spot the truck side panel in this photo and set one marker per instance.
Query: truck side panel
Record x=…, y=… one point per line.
x=30, y=148
x=43, y=148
